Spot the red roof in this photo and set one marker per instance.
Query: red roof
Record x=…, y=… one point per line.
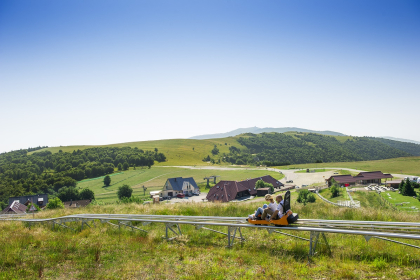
x=226, y=191
x=343, y=179
x=373, y=175
x=15, y=208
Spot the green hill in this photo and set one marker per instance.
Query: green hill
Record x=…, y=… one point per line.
x=295, y=148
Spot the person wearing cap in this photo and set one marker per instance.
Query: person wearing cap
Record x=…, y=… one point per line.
x=272, y=207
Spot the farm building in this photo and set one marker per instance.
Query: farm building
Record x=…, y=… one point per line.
x=263, y=191
x=174, y=186
x=15, y=208
x=394, y=183
x=40, y=199
x=363, y=178
x=226, y=191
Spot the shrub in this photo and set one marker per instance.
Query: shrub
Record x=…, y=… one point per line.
x=107, y=180
x=311, y=198
x=29, y=207
x=305, y=197
x=87, y=194
x=124, y=191
x=55, y=203
x=334, y=191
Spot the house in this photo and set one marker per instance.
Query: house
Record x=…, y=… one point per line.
x=15, y=208
x=394, y=183
x=174, y=186
x=77, y=203
x=263, y=191
x=363, y=178
x=40, y=199
x=226, y=191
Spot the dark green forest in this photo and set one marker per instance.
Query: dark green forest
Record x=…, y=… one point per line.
x=410, y=148
x=281, y=149
x=45, y=172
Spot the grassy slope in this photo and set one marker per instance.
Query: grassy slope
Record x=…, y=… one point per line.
x=177, y=151
x=155, y=178
x=104, y=252
x=180, y=152
x=407, y=165
x=395, y=197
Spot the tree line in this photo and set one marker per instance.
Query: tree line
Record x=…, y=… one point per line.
x=273, y=149
x=45, y=172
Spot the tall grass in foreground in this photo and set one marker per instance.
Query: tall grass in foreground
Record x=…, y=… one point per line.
x=104, y=252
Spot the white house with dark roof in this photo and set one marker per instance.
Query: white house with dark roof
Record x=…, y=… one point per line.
x=174, y=186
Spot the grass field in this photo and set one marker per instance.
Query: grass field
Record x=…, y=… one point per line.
x=154, y=179
x=104, y=252
x=407, y=165
x=181, y=152
x=177, y=151
x=408, y=202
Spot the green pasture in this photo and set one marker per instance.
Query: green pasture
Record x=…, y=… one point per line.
x=326, y=193
x=407, y=201
x=406, y=165
x=107, y=252
x=177, y=151
x=154, y=179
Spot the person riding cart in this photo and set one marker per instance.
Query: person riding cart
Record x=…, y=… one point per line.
x=281, y=216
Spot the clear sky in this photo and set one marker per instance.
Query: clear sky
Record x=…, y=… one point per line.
x=99, y=72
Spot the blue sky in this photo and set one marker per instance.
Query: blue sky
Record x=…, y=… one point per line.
x=98, y=72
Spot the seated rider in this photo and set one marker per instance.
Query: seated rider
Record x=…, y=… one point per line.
x=258, y=213
x=272, y=207
x=279, y=211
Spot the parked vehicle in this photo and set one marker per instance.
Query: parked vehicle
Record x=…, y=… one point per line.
x=180, y=195
x=289, y=181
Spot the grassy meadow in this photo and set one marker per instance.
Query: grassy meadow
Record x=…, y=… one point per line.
x=154, y=179
x=407, y=202
x=177, y=151
x=406, y=165
x=104, y=252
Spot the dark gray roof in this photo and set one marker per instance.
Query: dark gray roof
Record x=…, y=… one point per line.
x=177, y=183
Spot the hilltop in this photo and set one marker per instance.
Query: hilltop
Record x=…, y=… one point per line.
x=289, y=147
x=257, y=130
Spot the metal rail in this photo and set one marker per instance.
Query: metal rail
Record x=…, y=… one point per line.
x=316, y=227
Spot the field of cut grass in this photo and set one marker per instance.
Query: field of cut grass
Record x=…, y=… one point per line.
x=397, y=199
x=406, y=165
x=105, y=252
x=326, y=193
x=177, y=151
x=154, y=179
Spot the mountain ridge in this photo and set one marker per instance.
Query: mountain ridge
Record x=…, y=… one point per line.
x=258, y=130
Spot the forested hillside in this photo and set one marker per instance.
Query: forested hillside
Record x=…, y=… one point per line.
x=282, y=149
x=45, y=172
x=410, y=148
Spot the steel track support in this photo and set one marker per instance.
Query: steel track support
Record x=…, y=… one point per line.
x=169, y=226
x=368, y=237
x=197, y=227
x=231, y=238
x=62, y=225
x=313, y=242
x=84, y=223
x=132, y=227
x=270, y=231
